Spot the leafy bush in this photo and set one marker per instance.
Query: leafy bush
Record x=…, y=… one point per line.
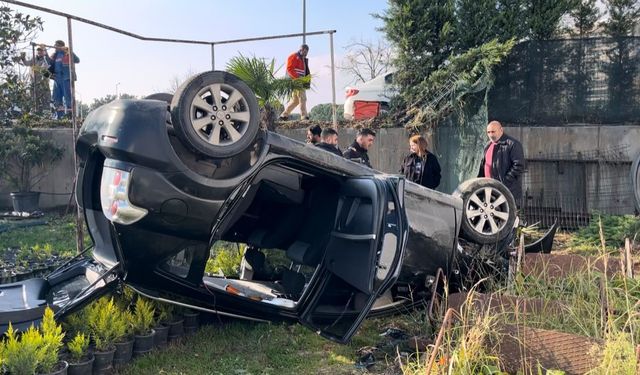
x=22, y=353
x=322, y=112
x=78, y=347
x=164, y=311
x=21, y=151
x=614, y=228
x=103, y=317
x=51, y=342
x=142, y=318
x=226, y=258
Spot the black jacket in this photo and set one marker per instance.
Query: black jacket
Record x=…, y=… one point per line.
x=330, y=148
x=422, y=170
x=508, y=164
x=357, y=154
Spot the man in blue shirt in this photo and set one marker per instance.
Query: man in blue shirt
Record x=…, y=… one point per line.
x=62, y=79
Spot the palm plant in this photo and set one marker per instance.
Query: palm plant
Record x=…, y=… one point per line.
x=260, y=76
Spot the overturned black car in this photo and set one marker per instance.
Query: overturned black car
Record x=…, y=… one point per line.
x=326, y=241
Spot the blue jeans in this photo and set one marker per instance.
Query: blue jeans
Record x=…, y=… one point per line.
x=62, y=92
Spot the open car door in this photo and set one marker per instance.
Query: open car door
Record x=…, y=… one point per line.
x=362, y=259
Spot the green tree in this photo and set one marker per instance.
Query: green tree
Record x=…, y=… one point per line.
x=476, y=23
x=623, y=17
x=511, y=19
x=260, y=76
x=16, y=29
x=585, y=15
x=544, y=17
x=422, y=33
x=322, y=112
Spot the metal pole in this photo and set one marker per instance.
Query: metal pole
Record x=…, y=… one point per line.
x=72, y=70
x=333, y=84
x=213, y=56
x=304, y=21
x=33, y=76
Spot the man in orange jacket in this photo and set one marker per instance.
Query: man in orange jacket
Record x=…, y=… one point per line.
x=297, y=66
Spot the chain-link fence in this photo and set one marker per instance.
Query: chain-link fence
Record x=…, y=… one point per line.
x=573, y=186
x=592, y=80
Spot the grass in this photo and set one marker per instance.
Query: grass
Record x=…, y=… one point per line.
x=261, y=348
x=59, y=233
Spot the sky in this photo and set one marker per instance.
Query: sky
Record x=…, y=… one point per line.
x=113, y=63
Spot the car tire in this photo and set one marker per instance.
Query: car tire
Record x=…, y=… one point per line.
x=488, y=210
x=162, y=96
x=205, y=122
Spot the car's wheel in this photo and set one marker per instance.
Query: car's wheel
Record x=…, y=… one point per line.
x=488, y=212
x=216, y=114
x=163, y=96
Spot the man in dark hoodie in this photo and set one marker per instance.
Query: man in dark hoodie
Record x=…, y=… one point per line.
x=329, y=141
x=358, y=151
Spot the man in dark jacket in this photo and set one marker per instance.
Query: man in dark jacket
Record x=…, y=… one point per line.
x=329, y=141
x=358, y=151
x=503, y=160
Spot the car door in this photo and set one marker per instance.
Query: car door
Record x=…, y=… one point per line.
x=362, y=259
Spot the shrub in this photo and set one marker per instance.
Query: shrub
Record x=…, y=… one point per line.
x=102, y=317
x=226, y=259
x=22, y=354
x=614, y=228
x=142, y=319
x=164, y=311
x=51, y=342
x=323, y=112
x=78, y=347
x=21, y=151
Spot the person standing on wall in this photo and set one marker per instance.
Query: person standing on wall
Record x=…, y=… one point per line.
x=62, y=79
x=421, y=166
x=39, y=78
x=298, y=67
x=503, y=160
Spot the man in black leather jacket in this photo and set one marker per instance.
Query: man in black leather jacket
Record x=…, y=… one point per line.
x=503, y=159
x=358, y=151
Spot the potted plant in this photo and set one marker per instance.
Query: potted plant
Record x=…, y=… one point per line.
x=102, y=318
x=191, y=322
x=79, y=358
x=142, y=321
x=20, y=351
x=35, y=350
x=23, y=156
x=124, y=339
x=163, y=315
x=52, y=335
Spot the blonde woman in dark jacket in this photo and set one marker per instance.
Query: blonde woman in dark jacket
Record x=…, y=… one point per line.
x=421, y=166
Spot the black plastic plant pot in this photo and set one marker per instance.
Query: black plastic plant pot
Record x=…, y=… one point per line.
x=27, y=201
x=82, y=368
x=160, y=338
x=103, y=362
x=176, y=329
x=143, y=344
x=123, y=354
x=60, y=369
x=191, y=322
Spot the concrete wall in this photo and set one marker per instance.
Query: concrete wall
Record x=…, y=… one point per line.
x=392, y=144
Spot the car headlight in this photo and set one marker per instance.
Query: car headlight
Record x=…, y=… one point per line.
x=114, y=197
